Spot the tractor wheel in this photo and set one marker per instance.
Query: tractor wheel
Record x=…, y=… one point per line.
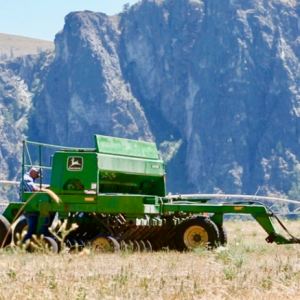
x=103, y=243
x=222, y=235
x=20, y=230
x=5, y=232
x=197, y=232
x=44, y=244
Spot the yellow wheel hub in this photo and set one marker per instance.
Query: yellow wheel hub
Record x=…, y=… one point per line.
x=195, y=236
x=102, y=244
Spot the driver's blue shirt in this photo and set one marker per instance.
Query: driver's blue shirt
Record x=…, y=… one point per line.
x=28, y=184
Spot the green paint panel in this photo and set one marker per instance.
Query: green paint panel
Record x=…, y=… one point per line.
x=131, y=165
x=74, y=172
x=125, y=147
x=12, y=210
x=131, y=175
x=128, y=204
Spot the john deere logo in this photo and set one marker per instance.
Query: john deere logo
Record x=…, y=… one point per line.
x=75, y=163
x=155, y=166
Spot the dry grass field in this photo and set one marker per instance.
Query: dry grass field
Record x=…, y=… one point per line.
x=248, y=268
x=19, y=45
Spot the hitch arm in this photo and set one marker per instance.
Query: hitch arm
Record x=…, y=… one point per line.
x=267, y=224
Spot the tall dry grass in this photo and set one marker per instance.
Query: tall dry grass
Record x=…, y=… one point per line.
x=248, y=268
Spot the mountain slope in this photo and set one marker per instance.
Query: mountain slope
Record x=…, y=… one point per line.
x=13, y=45
x=215, y=84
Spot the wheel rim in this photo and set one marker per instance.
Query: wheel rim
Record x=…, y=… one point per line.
x=195, y=236
x=102, y=244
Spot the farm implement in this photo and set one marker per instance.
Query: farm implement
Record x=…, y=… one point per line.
x=116, y=194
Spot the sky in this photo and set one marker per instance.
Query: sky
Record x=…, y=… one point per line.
x=42, y=19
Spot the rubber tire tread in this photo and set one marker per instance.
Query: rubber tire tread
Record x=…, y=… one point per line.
x=4, y=228
x=206, y=223
x=222, y=235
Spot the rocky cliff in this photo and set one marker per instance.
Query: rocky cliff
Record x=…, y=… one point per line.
x=214, y=83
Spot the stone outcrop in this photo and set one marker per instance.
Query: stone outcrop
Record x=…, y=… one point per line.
x=214, y=83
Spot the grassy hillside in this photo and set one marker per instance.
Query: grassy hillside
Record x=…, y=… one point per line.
x=248, y=268
x=14, y=45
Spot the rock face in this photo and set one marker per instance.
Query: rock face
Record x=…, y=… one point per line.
x=226, y=76
x=20, y=79
x=214, y=83
x=85, y=91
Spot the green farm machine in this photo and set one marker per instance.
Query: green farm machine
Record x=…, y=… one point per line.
x=116, y=194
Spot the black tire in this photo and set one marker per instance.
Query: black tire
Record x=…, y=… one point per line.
x=42, y=245
x=222, y=235
x=5, y=232
x=197, y=232
x=19, y=228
